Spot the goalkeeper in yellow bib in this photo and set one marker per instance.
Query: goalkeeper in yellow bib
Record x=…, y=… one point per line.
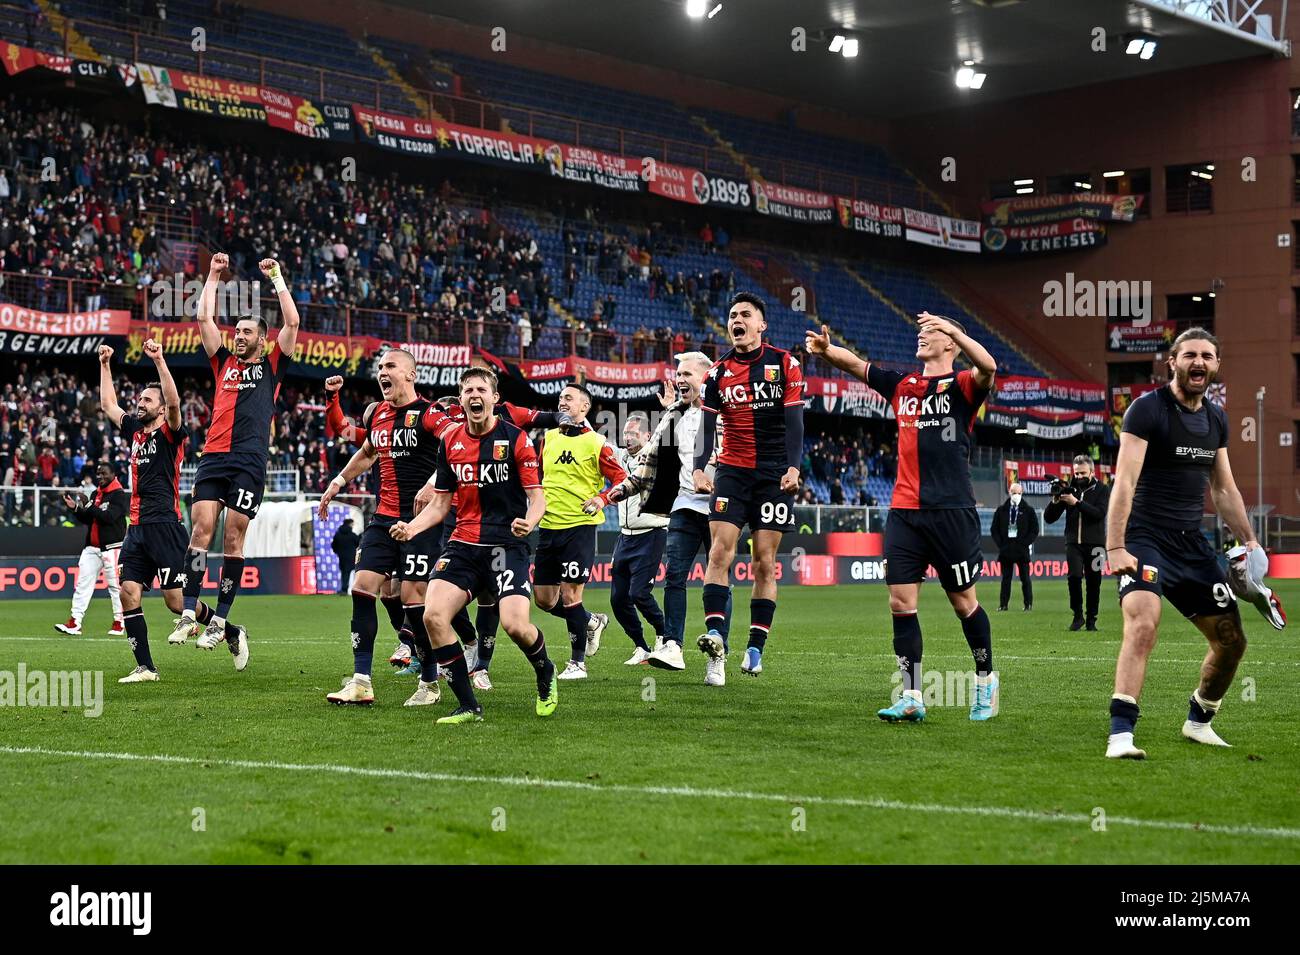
x=576, y=461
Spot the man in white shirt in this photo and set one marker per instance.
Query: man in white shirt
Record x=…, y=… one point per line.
x=638, y=552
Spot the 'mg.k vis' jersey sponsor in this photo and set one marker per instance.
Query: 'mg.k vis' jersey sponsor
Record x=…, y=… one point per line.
x=487, y=476
x=406, y=437
x=155, y=470
x=244, y=402
x=749, y=393
x=935, y=419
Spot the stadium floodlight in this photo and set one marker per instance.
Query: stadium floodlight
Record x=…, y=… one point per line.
x=850, y=47
x=1211, y=295
x=1209, y=166
x=964, y=77
x=1148, y=50
x=715, y=11
x=1134, y=45
x=1196, y=298
x=1027, y=191
x=837, y=43
x=977, y=80
x=697, y=8
x=1086, y=186
x=1113, y=174
x=1022, y=182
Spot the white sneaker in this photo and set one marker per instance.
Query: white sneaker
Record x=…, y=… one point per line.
x=573, y=670
x=239, y=650
x=356, y=691
x=595, y=627
x=1203, y=733
x=667, y=657
x=1120, y=746
x=213, y=634
x=72, y=628
x=638, y=657
x=480, y=680
x=140, y=675
x=471, y=655
x=659, y=643
x=183, y=629
x=426, y=694
x=715, y=672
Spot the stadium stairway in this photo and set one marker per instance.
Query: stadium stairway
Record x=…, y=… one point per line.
x=750, y=170
x=423, y=108
x=78, y=45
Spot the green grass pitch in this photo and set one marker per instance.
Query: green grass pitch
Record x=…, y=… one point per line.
x=790, y=767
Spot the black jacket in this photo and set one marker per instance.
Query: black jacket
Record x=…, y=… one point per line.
x=1014, y=548
x=345, y=541
x=1085, y=522
x=105, y=516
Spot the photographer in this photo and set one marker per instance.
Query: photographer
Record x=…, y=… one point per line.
x=1083, y=501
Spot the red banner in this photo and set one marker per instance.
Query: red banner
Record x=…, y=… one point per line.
x=19, y=58
x=106, y=321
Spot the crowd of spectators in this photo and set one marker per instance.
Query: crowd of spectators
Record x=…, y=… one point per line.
x=840, y=461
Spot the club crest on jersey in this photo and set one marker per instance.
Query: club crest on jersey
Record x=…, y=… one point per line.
x=720, y=504
x=500, y=450
x=943, y=386
x=411, y=418
x=442, y=563
x=1149, y=573
x=771, y=372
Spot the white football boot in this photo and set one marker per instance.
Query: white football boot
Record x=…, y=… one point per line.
x=426, y=694
x=596, y=625
x=638, y=657
x=1120, y=746
x=573, y=670
x=357, y=690
x=140, y=674
x=183, y=629
x=1203, y=733
x=715, y=671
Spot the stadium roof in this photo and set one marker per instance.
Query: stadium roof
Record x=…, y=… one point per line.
x=909, y=49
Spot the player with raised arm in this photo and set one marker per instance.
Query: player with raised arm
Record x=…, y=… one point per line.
x=155, y=541
x=402, y=433
x=932, y=518
x=487, y=469
x=232, y=471
x=755, y=391
x=576, y=462
x=1173, y=446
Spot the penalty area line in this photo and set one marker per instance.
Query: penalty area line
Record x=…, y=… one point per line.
x=690, y=792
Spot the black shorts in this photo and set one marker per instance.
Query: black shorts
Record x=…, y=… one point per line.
x=1181, y=566
x=947, y=538
x=154, y=550
x=485, y=570
x=405, y=560
x=742, y=496
x=564, y=556
x=236, y=479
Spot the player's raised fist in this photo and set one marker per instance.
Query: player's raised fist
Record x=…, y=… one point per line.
x=270, y=268
x=105, y=353
x=401, y=531
x=218, y=264
x=333, y=383
x=817, y=344
x=520, y=527
x=153, y=350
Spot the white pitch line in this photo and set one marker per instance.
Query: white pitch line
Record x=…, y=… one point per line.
x=1000, y=812
x=291, y=641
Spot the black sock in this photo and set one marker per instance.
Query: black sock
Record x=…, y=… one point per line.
x=396, y=613
x=1123, y=716
x=487, y=619
x=907, y=647
x=715, y=605
x=761, y=613
x=137, y=634
x=464, y=627
x=365, y=623
x=1195, y=712
x=420, y=640
x=452, y=657
x=980, y=640
x=577, y=618
x=196, y=565
x=542, y=666
x=232, y=569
